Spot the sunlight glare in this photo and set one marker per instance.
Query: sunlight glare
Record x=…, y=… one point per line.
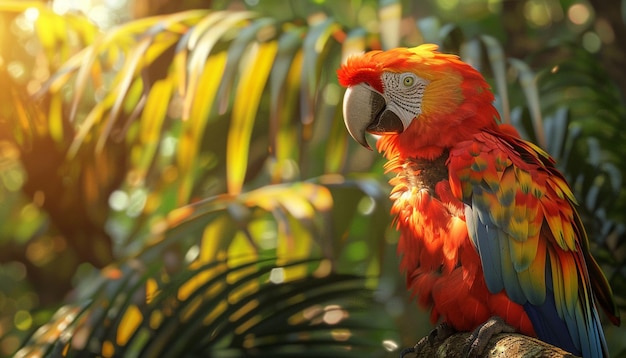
x=101, y=16
x=31, y=14
x=61, y=6
x=115, y=4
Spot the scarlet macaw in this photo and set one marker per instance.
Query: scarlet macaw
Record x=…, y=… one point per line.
x=487, y=224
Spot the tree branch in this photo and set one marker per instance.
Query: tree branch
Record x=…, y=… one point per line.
x=500, y=345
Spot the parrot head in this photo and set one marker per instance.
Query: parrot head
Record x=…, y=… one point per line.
x=414, y=98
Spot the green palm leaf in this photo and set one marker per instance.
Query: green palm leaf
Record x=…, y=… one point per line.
x=186, y=112
x=217, y=309
x=200, y=137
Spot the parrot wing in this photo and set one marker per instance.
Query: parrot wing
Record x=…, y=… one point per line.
x=520, y=216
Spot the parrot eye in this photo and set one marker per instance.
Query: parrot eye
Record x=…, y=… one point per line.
x=408, y=79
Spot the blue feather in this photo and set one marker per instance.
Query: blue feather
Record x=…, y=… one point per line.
x=566, y=332
x=491, y=244
x=487, y=246
x=548, y=325
x=510, y=277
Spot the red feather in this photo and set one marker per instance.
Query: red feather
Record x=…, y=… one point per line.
x=442, y=268
x=453, y=160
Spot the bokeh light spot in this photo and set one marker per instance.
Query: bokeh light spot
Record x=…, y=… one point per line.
x=605, y=31
x=118, y=200
x=9, y=343
x=311, y=312
x=324, y=269
x=17, y=270
x=277, y=275
x=366, y=205
x=22, y=320
x=16, y=69
x=334, y=314
x=40, y=251
x=368, y=18
x=108, y=349
x=341, y=335
x=31, y=14
x=168, y=146
x=448, y=5
x=591, y=42
x=390, y=345
x=13, y=179
x=61, y=6
x=137, y=202
x=331, y=94
x=192, y=253
x=537, y=13
x=29, y=212
x=115, y=4
x=578, y=14
x=494, y=6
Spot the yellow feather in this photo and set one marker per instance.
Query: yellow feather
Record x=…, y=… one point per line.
x=533, y=279
x=570, y=281
x=557, y=283
x=523, y=253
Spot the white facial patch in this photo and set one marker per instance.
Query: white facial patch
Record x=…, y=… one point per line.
x=403, y=93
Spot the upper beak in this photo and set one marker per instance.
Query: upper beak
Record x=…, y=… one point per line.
x=366, y=110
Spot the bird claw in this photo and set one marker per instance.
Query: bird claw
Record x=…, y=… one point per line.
x=441, y=332
x=480, y=337
x=406, y=351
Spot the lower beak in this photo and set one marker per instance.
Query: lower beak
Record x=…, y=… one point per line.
x=365, y=110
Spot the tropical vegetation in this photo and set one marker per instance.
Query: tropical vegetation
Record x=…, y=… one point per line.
x=180, y=181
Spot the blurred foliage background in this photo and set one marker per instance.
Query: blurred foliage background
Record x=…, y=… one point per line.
x=176, y=178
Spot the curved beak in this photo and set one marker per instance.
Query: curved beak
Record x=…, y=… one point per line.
x=365, y=110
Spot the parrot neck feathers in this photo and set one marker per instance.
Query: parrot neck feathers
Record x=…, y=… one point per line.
x=457, y=104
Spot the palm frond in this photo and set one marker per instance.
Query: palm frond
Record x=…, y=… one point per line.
x=588, y=142
x=247, y=308
x=198, y=138
x=187, y=99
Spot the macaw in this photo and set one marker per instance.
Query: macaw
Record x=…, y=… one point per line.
x=488, y=226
